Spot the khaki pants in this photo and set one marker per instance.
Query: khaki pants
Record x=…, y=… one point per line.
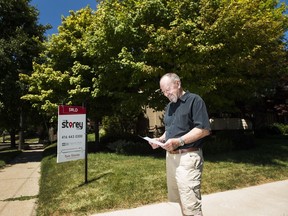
x=184, y=173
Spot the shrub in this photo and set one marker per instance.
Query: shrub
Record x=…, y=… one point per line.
x=229, y=140
x=216, y=144
x=129, y=144
x=282, y=128
x=272, y=129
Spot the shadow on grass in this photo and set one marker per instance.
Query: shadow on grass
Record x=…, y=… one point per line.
x=269, y=151
x=95, y=179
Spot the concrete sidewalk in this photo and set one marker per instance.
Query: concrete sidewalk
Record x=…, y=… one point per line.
x=19, y=183
x=264, y=200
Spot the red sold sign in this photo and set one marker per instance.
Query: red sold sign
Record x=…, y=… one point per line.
x=71, y=110
x=71, y=133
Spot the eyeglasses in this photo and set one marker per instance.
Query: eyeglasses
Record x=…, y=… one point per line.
x=170, y=87
x=166, y=91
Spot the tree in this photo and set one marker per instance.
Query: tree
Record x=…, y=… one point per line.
x=63, y=74
x=20, y=42
x=229, y=52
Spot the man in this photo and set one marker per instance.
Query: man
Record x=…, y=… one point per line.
x=186, y=124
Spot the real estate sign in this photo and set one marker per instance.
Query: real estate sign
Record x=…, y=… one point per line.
x=71, y=133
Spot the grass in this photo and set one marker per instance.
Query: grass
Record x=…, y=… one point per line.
x=114, y=181
x=118, y=181
x=266, y=163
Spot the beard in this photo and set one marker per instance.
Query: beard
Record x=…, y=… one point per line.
x=173, y=98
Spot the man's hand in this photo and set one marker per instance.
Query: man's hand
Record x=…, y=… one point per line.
x=155, y=146
x=171, y=144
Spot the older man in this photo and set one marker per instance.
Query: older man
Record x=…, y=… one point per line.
x=186, y=124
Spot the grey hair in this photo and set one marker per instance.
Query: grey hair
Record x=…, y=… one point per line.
x=173, y=76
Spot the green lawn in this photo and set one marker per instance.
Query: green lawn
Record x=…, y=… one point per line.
x=119, y=181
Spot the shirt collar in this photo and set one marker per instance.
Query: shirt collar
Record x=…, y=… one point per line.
x=184, y=97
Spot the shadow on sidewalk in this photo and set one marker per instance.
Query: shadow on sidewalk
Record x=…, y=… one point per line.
x=31, y=155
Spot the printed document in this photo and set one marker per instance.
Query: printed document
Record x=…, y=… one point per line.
x=152, y=141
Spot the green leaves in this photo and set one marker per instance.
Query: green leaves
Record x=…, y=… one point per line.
x=226, y=51
x=20, y=43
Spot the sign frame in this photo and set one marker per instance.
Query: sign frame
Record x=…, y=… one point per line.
x=71, y=136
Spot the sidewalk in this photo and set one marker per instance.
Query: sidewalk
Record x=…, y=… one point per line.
x=19, y=184
x=264, y=200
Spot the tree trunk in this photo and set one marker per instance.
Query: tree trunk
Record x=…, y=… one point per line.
x=12, y=133
x=97, y=135
x=21, y=132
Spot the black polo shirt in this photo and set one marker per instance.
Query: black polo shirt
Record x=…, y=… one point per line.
x=187, y=113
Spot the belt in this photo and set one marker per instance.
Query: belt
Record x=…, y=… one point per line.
x=180, y=151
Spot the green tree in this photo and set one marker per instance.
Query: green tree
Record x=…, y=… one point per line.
x=227, y=51
x=64, y=72
x=20, y=42
x=116, y=46
x=230, y=52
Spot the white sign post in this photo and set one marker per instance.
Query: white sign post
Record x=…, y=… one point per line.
x=71, y=134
